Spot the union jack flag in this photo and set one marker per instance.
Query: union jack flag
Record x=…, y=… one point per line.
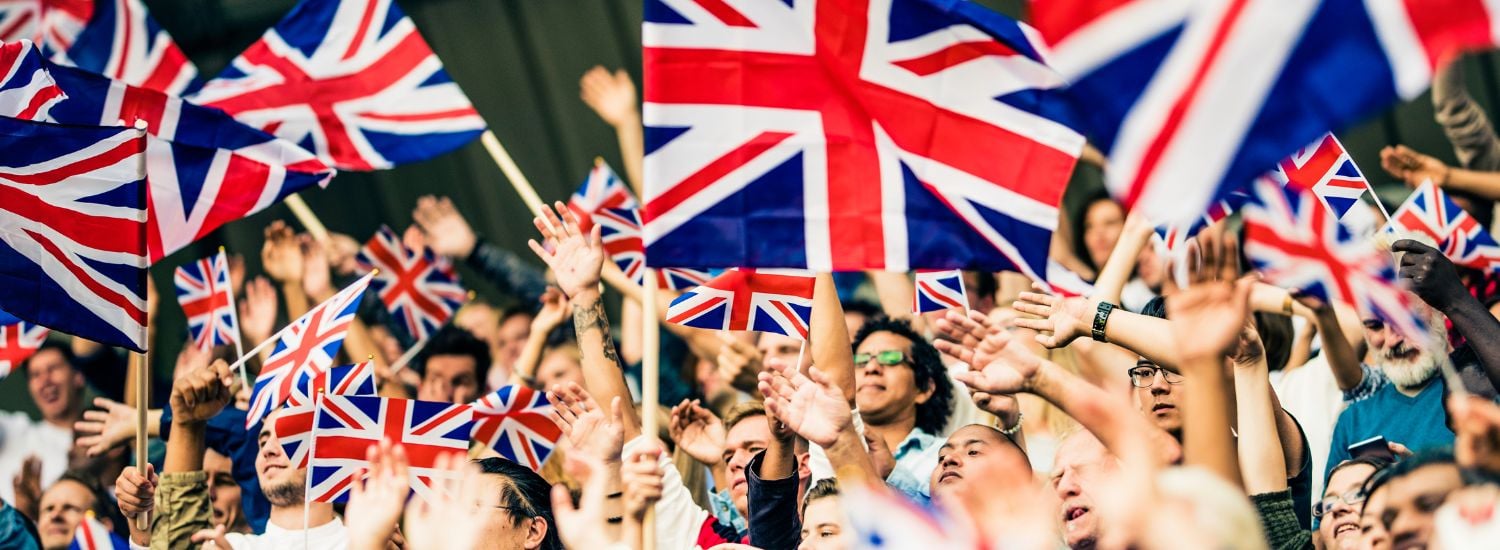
x=348, y=425
x=306, y=347
x=18, y=340
x=621, y=231
x=600, y=191
x=294, y=421
x=418, y=287
x=1326, y=168
x=1173, y=235
x=1296, y=243
x=93, y=535
x=213, y=170
x=1429, y=211
x=350, y=80
x=1064, y=282
x=26, y=91
x=51, y=24
x=849, y=134
x=204, y=292
x=765, y=300
x=516, y=422
x=72, y=229
x=1191, y=100
x=123, y=42
x=939, y=290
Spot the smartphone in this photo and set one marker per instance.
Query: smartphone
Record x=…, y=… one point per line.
x=1375, y=446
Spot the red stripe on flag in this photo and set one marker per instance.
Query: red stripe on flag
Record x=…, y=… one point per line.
x=712, y=173
x=950, y=56
x=1447, y=27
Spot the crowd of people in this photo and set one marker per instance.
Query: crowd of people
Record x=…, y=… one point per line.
x=1183, y=403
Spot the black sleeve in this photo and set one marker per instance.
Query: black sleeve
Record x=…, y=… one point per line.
x=508, y=272
x=774, y=521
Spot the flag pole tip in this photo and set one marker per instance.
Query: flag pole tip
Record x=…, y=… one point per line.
x=598, y=161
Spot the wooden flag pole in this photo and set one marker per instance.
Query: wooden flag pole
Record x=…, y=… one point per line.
x=142, y=399
x=650, y=388
x=309, y=220
x=513, y=173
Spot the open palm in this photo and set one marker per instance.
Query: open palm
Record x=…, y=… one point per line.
x=1062, y=319
x=810, y=405
x=576, y=257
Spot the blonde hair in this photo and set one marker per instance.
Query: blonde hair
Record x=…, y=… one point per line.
x=1217, y=510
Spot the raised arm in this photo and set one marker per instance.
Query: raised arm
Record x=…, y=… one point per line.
x=1121, y=263
x=829, y=337
x=1064, y=320
x=555, y=311
x=575, y=260
x=1434, y=279
x=612, y=96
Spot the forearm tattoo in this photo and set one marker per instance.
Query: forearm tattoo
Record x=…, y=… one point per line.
x=592, y=318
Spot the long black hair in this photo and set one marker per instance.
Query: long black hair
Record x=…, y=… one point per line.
x=527, y=495
x=926, y=364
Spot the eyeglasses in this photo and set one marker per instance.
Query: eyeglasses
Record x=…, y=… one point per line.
x=1142, y=376
x=1326, y=505
x=887, y=358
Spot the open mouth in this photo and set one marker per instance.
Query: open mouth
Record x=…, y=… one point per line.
x=1073, y=513
x=1346, y=528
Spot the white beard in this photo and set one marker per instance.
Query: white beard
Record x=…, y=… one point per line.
x=1410, y=373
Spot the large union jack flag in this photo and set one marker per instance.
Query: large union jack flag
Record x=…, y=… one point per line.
x=939, y=290
x=52, y=24
x=601, y=190
x=516, y=421
x=213, y=169
x=294, y=421
x=1294, y=242
x=765, y=300
x=350, y=80
x=26, y=91
x=620, y=229
x=349, y=425
x=18, y=340
x=204, y=291
x=848, y=135
x=1193, y=99
x=418, y=287
x=1429, y=211
x=123, y=42
x=306, y=347
x=72, y=229
x=1327, y=169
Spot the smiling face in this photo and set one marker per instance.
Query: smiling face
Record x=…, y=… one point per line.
x=63, y=505
x=1407, y=362
x=1339, y=527
x=968, y=453
x=1413, y=499
x=282, y=484
x=1080, y=464
x=748, y=436
x=54, y=385
x=887, y=393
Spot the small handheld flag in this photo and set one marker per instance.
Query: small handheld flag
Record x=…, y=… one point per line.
x=765, y=300
x=93, y=535
x=940, y=290
x=18, y=340
x=516, y=422
x=1429, y=211
x=305, y=347
x=347, y=425
x=204, y=292
x=601, y=190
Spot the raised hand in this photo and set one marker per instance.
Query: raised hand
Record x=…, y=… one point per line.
x=1062, y=319
x=111, y=425
x=588, y=429
x=585, y=525
x=199, y=394
x=966, y=332
x=739, y=364
x=455, y=517
x=1247, y=348
x=212, y=538
x=442, y=228
x=576, y=257
x=281, y=255
x=1430, y=273
x=610, y=95
x=317, y=279
x=341, y=250
x=257, y=311
x=1011, y=370
x=1208, y=315
x=554, y=312
x=375, y=503
x=641, y=476
x=27, y=487
x=1412, y=167
x=812, y=405
x=697, y=432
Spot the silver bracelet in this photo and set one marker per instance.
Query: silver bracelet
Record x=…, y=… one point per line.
x=1020, y=417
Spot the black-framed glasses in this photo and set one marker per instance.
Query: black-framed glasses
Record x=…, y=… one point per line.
x=1143, y=375
x=1326, y=505
x=887, y=358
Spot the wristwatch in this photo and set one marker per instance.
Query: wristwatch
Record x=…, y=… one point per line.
x=1100, y=318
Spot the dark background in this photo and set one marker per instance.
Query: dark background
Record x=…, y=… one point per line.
x=519, y=61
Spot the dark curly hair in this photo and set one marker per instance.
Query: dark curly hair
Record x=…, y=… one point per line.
x=526, y=494
x=452, y=340
x=927, y=366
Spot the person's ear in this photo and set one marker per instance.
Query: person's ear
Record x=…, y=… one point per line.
x=536, y=532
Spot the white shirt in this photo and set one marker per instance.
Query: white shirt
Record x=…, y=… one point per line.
x=328, y=536
x=678, y=518
x=21, y=437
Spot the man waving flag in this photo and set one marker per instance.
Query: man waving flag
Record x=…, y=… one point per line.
x=848, y=135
